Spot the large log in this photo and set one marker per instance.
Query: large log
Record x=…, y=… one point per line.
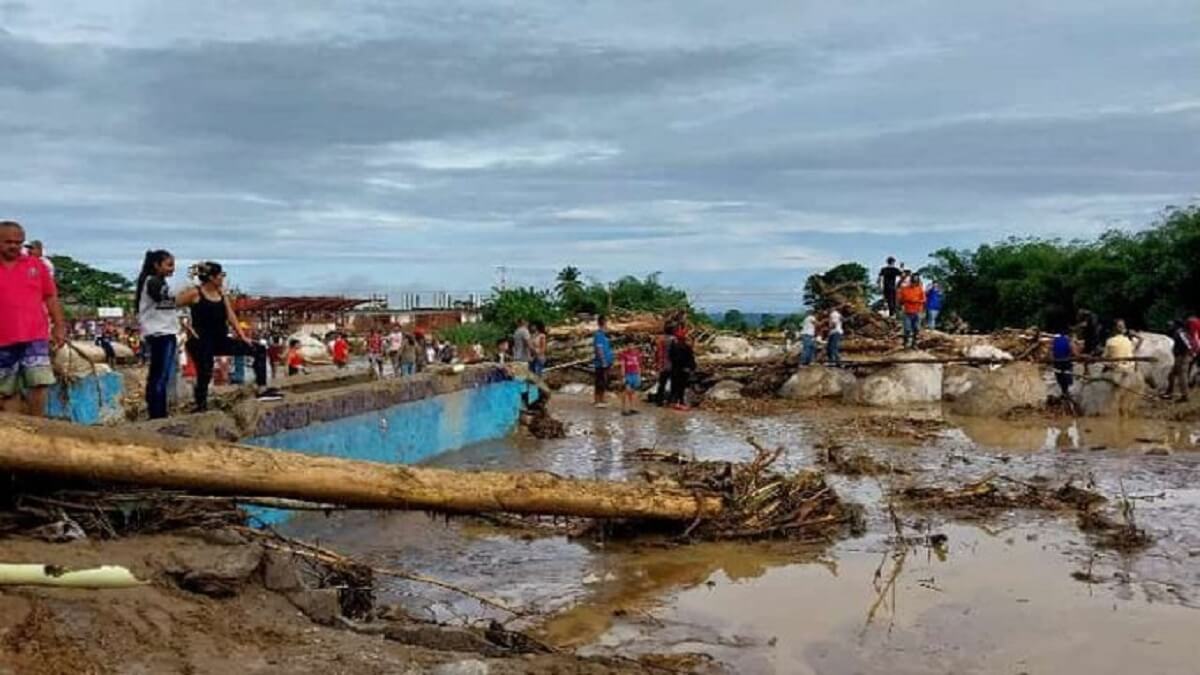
x=62, y=449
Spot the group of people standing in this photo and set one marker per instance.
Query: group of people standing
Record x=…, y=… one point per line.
x=674, y=361
x=904, y=291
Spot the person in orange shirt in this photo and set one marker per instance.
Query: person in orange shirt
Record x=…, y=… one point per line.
x=294, y=358
x=912, y=301
x=341, y=351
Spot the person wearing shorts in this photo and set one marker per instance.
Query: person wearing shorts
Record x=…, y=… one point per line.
x=630, y=360
x=28, y=303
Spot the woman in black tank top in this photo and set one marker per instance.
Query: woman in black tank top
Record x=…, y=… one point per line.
x=212, y=316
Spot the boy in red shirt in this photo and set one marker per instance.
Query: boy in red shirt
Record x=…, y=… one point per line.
x=294, y=359
x=28, y=296
x=341, y=351
x=630, y=360
x=375, y=352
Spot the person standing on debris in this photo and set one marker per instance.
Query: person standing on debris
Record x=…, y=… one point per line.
x=889, y=274
x=1089, y=331
x=538, y=364
x=662, y=362
x=341, y=351
x=212, y=317
x=808, y=339
x=1181, y=349
x=521, y=342
x=912, y=301
x=933, y=304
x=1119, y=346
x=375, y=351
x=683, y=364
x=630, y=360
x=158, y=320
x=395, y=342
x=1062, y=350
x=32, y=322
x=409, y=356
x=833, y=339
x=294, y=358
x=602, y=360
x=1193, y=326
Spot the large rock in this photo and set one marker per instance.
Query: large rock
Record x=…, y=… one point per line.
x=957, y=380
x=731, y=346
x=995, y=392
x=901, y=384
x=1114, y=393
x=726, y=390
x=811, y=382
x=986, y=351
x=1157, y=347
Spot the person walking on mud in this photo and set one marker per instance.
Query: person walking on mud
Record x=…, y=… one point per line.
x=1062, y=350
x=32, y=322
x=912, y=301
x=630, y=360
x=158, y=320
x=602, y=360
x=662, y=362
x=683, y=364
x=889, y=275
x=212, y=317
x=1181, y=349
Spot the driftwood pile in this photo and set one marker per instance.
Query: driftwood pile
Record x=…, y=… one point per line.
x=759, y=502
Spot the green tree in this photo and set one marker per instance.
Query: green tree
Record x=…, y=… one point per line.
x=847, y=282
x=82, y=285
x=767, y=323
x=507, y=306
x=569, y=289
x=734, y=320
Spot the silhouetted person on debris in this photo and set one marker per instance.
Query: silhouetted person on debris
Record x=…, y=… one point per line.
x=889, y=276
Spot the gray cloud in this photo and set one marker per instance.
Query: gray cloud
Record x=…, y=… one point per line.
x=734, y=148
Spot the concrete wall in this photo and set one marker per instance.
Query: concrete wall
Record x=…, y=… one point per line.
x=94, y=399
x=409, y=432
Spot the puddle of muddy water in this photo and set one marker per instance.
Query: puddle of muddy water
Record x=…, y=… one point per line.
x=996, y=604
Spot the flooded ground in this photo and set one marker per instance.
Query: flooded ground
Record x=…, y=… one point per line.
x=1016, y=592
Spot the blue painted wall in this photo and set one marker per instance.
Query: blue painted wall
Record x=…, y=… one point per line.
x=407, y=433
x=94, y=399
x=411, y=432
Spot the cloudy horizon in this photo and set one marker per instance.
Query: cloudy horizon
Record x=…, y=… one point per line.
x=370, y=146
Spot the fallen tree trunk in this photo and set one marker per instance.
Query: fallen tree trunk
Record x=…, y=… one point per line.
x=62, y=449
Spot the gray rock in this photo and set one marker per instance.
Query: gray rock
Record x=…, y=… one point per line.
x=1157, y=347
x=468, y=667
x=320, y=605
x=995, y=392
x=1115, y=393
x=281, y=572
x=901, y=384
x=726, y=390
x=811, y=382
x=219, y=576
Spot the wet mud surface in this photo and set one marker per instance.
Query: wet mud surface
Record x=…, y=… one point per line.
x=993, y=591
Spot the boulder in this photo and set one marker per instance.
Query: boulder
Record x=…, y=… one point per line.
x=320, y=605
x=995, y=392
x=810, y=382
x=900, y=384
x=1157, y=347
x=725, y=390
x=1113, y=393
x=313, y=350
x=731, y=346
x=986, y=351
x=957, y=380
x=575, y=388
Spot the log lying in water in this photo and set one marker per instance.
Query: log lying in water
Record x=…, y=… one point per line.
x=58, y=448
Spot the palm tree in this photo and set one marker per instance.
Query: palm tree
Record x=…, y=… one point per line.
x=569, y=287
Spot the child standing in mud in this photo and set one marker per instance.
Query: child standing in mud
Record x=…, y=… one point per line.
x=630, y=360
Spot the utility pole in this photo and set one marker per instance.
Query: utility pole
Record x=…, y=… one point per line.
x=502, y=270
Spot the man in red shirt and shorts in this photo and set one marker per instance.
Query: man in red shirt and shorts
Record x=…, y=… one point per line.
x=28, y=301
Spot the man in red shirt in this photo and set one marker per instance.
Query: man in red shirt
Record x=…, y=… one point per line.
x=28, y=297
x=341, y=351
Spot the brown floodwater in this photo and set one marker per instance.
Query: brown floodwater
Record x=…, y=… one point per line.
x=1023, y=592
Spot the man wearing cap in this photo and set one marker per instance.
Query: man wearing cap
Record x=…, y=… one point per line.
x=35, y=250
x=28, y=302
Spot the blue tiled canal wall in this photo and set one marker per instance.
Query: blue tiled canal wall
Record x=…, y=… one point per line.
x=412, y=431
x=94, y=399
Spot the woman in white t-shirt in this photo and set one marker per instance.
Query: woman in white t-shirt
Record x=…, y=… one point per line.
x=158, y=320
x=833, y=348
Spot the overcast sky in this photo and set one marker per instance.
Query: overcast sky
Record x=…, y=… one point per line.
x=369, y=145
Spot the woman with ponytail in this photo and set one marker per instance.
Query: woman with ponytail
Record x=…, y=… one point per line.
x=159, y=322
x=212, y=317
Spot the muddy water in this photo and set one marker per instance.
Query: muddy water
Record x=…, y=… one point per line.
x=999, y=598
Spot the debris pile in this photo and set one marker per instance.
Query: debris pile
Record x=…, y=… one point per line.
x=759, y=502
